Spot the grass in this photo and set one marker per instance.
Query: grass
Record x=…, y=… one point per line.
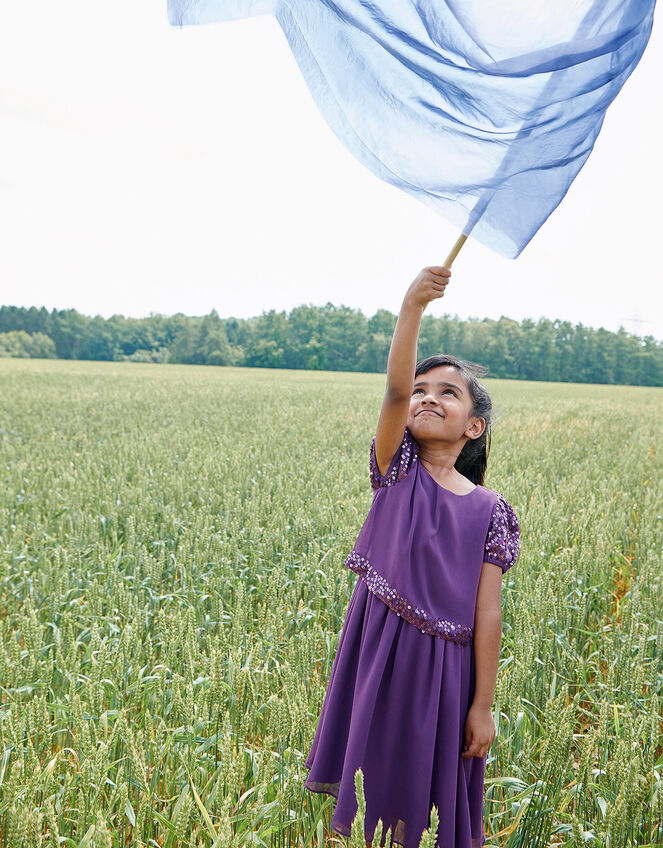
x=172, y=590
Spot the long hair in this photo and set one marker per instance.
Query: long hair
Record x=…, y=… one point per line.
x=472, y=461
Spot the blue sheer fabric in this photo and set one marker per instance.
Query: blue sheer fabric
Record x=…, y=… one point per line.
x=483, y=109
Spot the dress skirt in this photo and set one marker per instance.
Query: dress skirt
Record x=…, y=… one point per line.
x=395, y=706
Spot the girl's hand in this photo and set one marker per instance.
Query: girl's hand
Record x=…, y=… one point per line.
x=428, y=285
x=479, y=731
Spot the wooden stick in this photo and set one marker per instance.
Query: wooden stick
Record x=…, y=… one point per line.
x=455, y=250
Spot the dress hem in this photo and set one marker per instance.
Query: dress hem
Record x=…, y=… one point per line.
x=338, y=830
x=475, y=843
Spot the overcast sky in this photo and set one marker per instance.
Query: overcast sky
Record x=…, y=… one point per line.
x=152, y=169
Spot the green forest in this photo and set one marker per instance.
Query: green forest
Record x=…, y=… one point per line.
x=336, y=338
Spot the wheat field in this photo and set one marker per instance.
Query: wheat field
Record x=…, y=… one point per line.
x=172, y=589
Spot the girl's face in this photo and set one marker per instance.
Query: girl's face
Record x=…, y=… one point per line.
x=441, y=407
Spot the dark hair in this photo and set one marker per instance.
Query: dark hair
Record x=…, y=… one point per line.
x=473, y=459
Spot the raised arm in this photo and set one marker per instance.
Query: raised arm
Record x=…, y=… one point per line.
x=429, y=284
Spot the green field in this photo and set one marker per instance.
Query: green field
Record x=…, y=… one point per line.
x=172, y=589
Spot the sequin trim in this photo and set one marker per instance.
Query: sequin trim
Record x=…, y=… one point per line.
x=403, y=460
x=460, y=633
x=503, y=537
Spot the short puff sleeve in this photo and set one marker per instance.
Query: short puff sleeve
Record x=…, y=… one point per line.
x=403, y=460
x=503, y=537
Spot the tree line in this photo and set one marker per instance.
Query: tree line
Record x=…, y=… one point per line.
x=336, y=338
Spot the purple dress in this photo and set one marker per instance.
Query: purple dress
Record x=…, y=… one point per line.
x=402, y=680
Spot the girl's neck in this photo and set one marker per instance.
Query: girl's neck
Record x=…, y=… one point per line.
x=439, y=454
x=439, y=460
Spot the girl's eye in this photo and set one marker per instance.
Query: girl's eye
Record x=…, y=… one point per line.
x=450, y=391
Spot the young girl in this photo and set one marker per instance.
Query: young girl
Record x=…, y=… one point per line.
x=411, y=689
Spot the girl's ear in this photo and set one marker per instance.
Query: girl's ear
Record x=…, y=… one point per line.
x=475, y=427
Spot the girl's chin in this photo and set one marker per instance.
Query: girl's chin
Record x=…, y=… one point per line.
x=426, y=424
x=427, y=418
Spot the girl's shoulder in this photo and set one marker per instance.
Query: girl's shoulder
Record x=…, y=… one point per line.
x=503, y=536
x=502, y=509
x=400, y=465
x=501, y=503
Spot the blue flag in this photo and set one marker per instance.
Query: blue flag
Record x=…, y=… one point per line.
x=483, y=109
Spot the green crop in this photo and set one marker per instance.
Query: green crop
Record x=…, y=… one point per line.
x=172, y=590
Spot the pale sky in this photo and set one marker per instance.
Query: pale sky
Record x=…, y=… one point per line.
x=146, y=168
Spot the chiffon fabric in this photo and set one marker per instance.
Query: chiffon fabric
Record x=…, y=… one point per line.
x=403, y=677
x=484, y=111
